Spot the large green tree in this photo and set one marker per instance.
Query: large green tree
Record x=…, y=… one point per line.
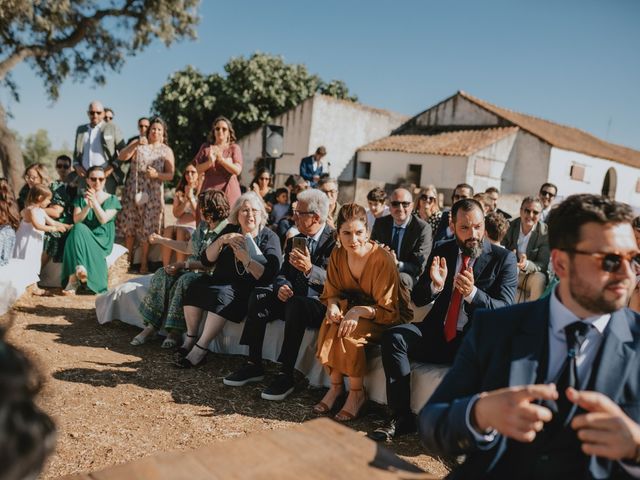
x=37, y=148
x=81, y=39
x=251, y=92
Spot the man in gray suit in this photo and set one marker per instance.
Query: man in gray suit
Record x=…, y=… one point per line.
x=527, y=237
x=97, y=144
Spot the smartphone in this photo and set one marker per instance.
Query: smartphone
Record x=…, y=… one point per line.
x=300, y=243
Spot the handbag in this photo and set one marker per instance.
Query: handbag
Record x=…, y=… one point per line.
x=140, y=198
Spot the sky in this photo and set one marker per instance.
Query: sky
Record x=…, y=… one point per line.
x=575, y=62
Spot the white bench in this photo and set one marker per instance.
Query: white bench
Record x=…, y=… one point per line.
x=121, y=303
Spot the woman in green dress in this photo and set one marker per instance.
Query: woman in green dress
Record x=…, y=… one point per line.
x=168, y=285
x=90, y=241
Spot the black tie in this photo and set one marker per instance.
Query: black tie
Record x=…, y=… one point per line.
x=395, y=240
x=576, y=334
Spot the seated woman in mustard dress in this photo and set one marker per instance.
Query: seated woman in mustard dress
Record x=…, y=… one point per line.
x=364, y=297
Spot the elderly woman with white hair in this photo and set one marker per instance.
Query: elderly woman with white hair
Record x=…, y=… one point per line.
x=245, y=255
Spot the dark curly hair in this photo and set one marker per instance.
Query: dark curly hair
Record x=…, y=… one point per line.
x=9, y=214
x=27, y=434
x=213, y=204
x=567, y=218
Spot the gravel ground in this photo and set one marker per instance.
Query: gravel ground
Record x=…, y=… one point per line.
x=114, y=403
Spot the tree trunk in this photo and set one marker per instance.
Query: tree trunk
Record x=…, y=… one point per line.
x=10, y=154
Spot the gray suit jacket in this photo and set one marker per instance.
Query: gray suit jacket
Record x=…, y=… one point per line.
x=112, y=142
x=538, y=248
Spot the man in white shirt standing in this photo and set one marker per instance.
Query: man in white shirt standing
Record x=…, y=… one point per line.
x=97, y=144
x=549, y=389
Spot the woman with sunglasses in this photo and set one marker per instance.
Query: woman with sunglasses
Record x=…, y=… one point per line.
x=163, y=301
x=185, y=207
x=427, y=207
x=90, y=240
x=220, y=160
x=261, y=184
x=152, y=162
x=34, y=174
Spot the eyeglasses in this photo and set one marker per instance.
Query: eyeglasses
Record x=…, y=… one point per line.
x=63, y=166
x=396, y=204
x=95, y=112
x=528, y=211
x=96, y=179
x=108, y=118
x=247, y=211
x=547, y=193
x=427, y=198
x=33, y=178
x=610, y=262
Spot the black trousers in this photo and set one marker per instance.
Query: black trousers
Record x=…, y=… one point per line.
x=406, y=342
x=298, y=313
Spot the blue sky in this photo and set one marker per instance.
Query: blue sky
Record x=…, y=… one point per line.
x=576, y=62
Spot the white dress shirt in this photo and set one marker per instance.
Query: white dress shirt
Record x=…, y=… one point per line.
x=92, y=152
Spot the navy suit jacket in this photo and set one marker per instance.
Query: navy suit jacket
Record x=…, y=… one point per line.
x=415, y=246
x=495, y=275
x=440, y=235
x=506, y=348
x=306, y=169
x=319, y=259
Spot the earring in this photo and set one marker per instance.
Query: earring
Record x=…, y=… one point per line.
x=338, y=244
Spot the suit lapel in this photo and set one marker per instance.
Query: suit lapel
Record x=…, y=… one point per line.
x=324, y=238
x=528, y=344
x=615, y=357
x=533, y=241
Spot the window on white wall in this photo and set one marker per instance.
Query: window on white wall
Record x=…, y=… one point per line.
x=414, y=173
x=576, y=172
x=364, y=170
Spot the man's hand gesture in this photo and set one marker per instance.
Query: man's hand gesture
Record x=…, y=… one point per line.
x=438, y=272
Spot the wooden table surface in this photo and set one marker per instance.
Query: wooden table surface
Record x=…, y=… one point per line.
x=318, y=449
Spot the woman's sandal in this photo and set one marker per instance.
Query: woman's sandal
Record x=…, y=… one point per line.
x=322, y=408
x=185, y=363
x=71, y=288
x=182, y=352
x=81, y=274
x=170, y=341
x=345, y=416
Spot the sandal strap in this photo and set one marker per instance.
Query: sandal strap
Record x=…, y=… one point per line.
x=190, y=336
x=201, y=348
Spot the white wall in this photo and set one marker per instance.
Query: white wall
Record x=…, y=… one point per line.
x=443, y=171
x=458, y=111
x=485, y=168
x=341, y=126
x=595, y=171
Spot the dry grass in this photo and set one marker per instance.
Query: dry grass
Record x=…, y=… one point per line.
x=113, y=402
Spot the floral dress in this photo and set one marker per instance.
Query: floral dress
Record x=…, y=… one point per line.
x=167, y=291
x=140, y=221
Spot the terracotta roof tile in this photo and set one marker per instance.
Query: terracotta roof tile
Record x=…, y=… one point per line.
x=562, y=136
x=459, y=143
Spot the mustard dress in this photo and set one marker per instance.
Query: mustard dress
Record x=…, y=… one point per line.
x=379, y=287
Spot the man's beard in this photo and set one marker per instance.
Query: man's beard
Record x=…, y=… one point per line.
x=592, y=300
x=471, y=248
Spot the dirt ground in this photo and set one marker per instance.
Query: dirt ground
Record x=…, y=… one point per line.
x=113, y=402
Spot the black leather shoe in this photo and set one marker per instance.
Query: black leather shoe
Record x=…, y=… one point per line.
x=395, y=428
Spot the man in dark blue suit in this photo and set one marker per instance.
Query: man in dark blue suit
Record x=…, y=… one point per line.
x=551, y=389
x=464, y=274
x=311, y=167
x=292, y=298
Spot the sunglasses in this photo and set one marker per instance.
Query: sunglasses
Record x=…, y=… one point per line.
x=547, y=193
x=92, y=112
x=528, y=211
x=427, y=198
x=63, y=166
x=97, y=179
x=396, y=204
x=610, y=262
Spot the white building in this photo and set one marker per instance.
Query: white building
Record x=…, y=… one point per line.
x=341, y=126
x=466, y=140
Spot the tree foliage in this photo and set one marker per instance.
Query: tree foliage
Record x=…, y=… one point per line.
x=37, y=148
x=251, y=92
x=81, y=39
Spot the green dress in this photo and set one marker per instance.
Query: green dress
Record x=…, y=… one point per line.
x=164, y=298
x=89, y=243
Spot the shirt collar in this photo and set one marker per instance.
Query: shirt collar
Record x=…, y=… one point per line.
x=317, y=236
x=560, y=316
x=403, y=225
